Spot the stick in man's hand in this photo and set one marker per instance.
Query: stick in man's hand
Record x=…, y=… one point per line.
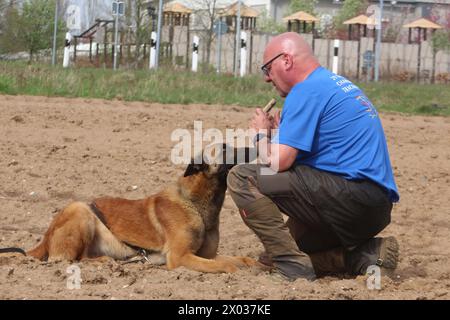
x=269, y=106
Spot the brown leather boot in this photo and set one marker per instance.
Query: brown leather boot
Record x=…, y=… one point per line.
x=265, y=219
x=331, y=262
x=381, y=252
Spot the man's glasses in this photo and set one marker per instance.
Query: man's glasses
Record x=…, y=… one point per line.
x=266, y=67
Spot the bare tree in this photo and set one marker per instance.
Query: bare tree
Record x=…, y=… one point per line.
x=30, y=27
x=10, y=28
x=140, y=24
x=4, y=4
x=207, y=12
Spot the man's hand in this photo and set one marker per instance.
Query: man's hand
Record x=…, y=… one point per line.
x=276, y=119
x=278, y=156
x=264, y=121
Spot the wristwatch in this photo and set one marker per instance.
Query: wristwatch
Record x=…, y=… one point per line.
x=258, y=137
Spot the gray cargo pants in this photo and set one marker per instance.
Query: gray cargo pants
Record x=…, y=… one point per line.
x=325, y=210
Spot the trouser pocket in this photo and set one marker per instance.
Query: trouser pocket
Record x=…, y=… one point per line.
x=276, y=185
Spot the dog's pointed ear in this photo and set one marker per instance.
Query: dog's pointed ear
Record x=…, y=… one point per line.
x=192, y=169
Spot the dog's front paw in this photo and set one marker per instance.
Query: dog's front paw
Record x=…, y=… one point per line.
x=229, y=268
x=249, y=262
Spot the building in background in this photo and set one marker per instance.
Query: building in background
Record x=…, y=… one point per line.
x=277, y=9
x=81, y=14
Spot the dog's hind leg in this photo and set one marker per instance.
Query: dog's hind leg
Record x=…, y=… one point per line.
x=71, y=233
x=39, y=252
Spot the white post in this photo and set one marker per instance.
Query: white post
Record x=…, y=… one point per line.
x=243, y=53
x=195, y=54
x=66, y=60
x=116, y=27
x=335, y=56
x=152, y=61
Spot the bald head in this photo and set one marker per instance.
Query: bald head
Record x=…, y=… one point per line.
x=288, y=60
x=291, y=43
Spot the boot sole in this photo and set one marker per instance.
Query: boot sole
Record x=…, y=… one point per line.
x=389, y=252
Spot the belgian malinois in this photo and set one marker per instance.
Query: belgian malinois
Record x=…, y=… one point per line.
x=180, y=223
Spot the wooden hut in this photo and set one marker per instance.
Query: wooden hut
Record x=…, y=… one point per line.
x=176, y=14
x=301, y=20
x=248, y=17
x=357, y=28
x=359, y=25
x=248, y=23
x=421, y=26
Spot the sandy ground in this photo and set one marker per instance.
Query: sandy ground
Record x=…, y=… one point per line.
x=55, y=150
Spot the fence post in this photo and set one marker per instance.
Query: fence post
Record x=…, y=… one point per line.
x=335, y=56
x=243, y=66
x=66, y=60
x=152, y=56
x=195, y=53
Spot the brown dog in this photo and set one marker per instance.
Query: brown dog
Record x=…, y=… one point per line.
x=181, y=223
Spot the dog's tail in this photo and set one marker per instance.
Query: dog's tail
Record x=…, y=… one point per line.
x=40, y=252
x=13, y=250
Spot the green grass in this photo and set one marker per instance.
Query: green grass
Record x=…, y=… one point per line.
x=410, y=98
x=183, y=87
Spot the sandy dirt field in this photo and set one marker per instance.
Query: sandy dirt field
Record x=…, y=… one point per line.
x=55, y=150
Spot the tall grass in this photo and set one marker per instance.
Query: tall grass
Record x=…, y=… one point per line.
x=183, y=87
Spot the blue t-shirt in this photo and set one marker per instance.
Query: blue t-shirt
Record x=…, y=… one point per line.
x=336, y=129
